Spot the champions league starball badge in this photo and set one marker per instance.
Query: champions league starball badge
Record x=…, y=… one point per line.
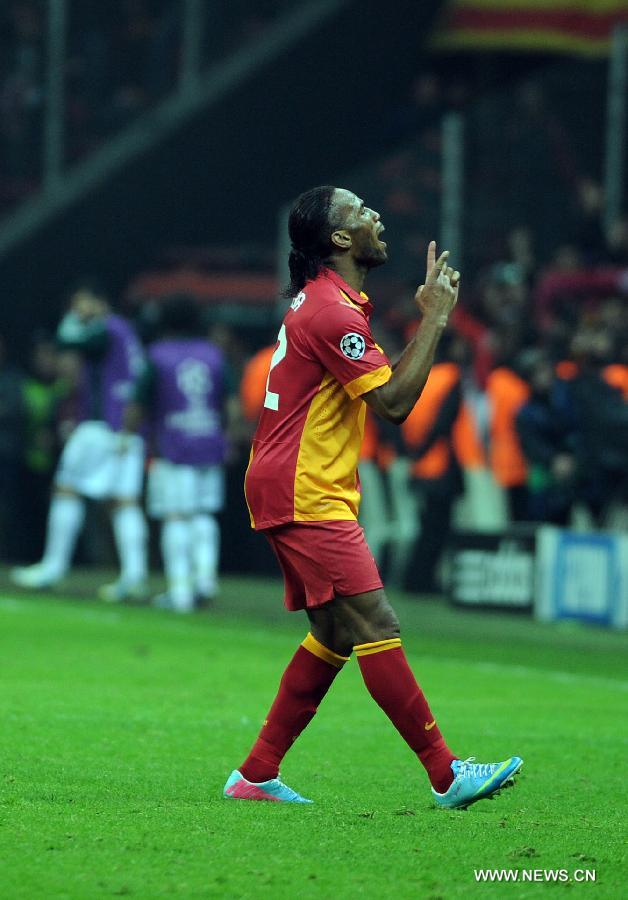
x=353, y=345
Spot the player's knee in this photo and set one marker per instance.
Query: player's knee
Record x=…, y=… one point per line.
x=369, y=618
x=329, y=631
x=381, y=623
x=381, y=628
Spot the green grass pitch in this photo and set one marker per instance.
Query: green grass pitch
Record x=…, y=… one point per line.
x=120, y=726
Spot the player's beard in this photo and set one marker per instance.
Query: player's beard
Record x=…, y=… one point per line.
x=372, y=256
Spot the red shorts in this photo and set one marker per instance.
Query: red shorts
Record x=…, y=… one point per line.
x=320, y=560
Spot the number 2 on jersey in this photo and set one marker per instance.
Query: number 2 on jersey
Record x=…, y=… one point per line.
x=272, y=399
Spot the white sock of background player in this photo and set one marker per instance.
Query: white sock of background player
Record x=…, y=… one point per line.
x=65, y=520
x=131, y=537
x=176, y=549
x=206, y=548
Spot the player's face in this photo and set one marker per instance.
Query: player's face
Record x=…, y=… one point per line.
x=364, y=227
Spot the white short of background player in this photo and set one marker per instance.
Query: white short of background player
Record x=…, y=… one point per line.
x=186, y=499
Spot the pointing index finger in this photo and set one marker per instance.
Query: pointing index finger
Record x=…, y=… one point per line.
x=431, y=255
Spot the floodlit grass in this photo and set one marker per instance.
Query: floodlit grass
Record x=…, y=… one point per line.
x=120, y=726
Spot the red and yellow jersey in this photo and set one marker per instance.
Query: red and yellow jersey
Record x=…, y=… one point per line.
x=303, y=465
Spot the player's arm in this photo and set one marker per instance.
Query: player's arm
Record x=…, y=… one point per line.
x=89, y=337
x=141, y=401
x=436, y=299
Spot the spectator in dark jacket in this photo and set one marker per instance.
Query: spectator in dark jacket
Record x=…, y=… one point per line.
x=546, y=429
x=602, y=415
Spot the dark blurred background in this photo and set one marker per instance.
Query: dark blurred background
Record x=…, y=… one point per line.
x=157, y=145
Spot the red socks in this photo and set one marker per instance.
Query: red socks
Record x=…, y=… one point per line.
x=305, y=682
x=392, y=685
x=390, y=682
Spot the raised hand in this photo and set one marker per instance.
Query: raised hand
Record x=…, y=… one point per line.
x=438, y=296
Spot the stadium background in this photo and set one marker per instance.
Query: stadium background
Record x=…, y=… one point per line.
x=157, y=144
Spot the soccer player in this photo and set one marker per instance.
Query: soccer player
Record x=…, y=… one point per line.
x=98, y=461
x=302, y=491
x=183, y=395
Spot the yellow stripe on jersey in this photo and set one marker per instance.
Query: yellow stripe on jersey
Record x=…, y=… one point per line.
x=245, y=497
x=351, y=302
x=377, y=647
x=324, y=480
x=368, y=381
x=317, y=649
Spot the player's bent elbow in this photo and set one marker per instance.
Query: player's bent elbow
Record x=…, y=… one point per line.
x=384, y=407
x=397, y=416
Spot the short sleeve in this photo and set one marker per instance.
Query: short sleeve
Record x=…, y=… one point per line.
x=340, y=338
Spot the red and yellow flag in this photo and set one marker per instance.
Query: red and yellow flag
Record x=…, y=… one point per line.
x=538, y=26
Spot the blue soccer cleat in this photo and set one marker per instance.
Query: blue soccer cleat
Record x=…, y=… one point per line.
x=474, y=781
x=238, y=788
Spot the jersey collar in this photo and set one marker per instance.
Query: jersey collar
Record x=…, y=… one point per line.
x=358, y=297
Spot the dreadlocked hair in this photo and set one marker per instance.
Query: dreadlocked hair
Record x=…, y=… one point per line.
x=310, y=228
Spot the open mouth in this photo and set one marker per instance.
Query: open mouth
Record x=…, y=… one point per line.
x=379, y=235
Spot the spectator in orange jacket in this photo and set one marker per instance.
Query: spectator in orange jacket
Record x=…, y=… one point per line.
x=429, y=438
x=507, y=392
x=253, y=384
